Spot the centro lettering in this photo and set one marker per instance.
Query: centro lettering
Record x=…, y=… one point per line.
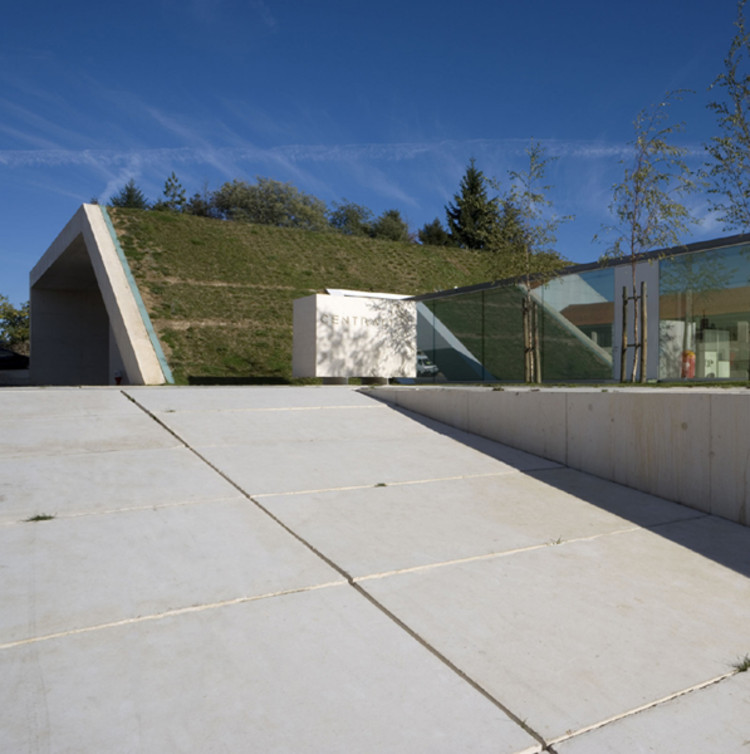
x=340, y=320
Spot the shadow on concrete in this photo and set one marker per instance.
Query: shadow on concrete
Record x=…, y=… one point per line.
x=725, y=542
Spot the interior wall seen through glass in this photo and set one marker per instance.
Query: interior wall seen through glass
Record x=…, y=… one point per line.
x=704, y=310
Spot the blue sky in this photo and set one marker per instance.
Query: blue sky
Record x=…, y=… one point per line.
x=381, y=103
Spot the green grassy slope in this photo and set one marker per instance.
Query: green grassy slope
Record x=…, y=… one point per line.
x=220, y=293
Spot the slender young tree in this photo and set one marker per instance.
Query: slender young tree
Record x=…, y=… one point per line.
x=648, y=206
x=533, y=227
x=174, y=196
x=729, y=153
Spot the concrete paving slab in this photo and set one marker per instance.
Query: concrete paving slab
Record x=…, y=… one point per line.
x=297, y=425
x=21, y=404
x=310, y=672
x=66, y=574
x=96, y=433
x=150, y=628
x=713, y=719
x=567, y=636
x=69, y=485
x=379, y=529
x=241, y=398
x=291, y=466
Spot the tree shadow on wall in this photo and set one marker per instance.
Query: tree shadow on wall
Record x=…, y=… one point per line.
x=386, y=344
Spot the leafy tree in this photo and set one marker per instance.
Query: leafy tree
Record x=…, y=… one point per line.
x=174, y=196
x=433, y=234
x=647, y=203
x=129, y=196
x=472, y=217
x=351, y=219
x=729, y=168
x=391, y=226
x=270, y=202
x=529, y=231
x=14, y=326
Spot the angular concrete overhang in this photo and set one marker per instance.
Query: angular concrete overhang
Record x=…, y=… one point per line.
x=88, y=322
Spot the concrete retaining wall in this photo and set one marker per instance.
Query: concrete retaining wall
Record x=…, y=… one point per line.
x=691, y=446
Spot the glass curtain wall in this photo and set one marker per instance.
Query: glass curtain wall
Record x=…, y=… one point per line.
x=704, y=315
x=577, y=322
x=477, y=336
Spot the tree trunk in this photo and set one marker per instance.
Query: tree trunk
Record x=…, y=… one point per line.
x=644, y=331
x=624, y=339
x=636, y=332
x=537, y=344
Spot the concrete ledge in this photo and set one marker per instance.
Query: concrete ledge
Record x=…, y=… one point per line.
x=688, y=445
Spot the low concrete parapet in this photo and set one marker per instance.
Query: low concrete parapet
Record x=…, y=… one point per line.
x=689, y=445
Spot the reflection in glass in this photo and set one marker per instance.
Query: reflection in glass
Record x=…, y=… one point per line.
x=577, y=320
x=704, y=309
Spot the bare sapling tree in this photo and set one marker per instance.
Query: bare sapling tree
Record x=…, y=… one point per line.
x=729, y=152
x=538, y=228
x=650, y=215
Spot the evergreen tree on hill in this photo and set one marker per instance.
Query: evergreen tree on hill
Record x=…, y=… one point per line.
x=433, y=234
x=129, y=196
x=472, y=218
x=174, y=199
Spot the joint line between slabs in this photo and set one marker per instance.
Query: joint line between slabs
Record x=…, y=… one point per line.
x=243, y=492
x=131, y=509
x=387, y=484
x=449, y=664
x=363, y=592
x=492, y=555
x=168, y=614
x=268, y=409
x=644, y=707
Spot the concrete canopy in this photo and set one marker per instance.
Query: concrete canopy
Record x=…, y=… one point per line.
x=88, y=322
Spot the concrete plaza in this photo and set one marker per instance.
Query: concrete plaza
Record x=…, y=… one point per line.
x=285, y=569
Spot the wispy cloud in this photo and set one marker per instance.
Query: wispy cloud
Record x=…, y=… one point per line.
x=288, y=154
x=264, y=12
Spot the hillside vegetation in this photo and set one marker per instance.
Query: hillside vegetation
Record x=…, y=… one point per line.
x=220, y=293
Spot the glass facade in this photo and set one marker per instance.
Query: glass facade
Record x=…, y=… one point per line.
x=477, y=335
x=704, y=315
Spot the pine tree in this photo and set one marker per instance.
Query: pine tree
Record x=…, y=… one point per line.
x=473, y=216
x=174, y=196
x=433, y=234
x=129, y=196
